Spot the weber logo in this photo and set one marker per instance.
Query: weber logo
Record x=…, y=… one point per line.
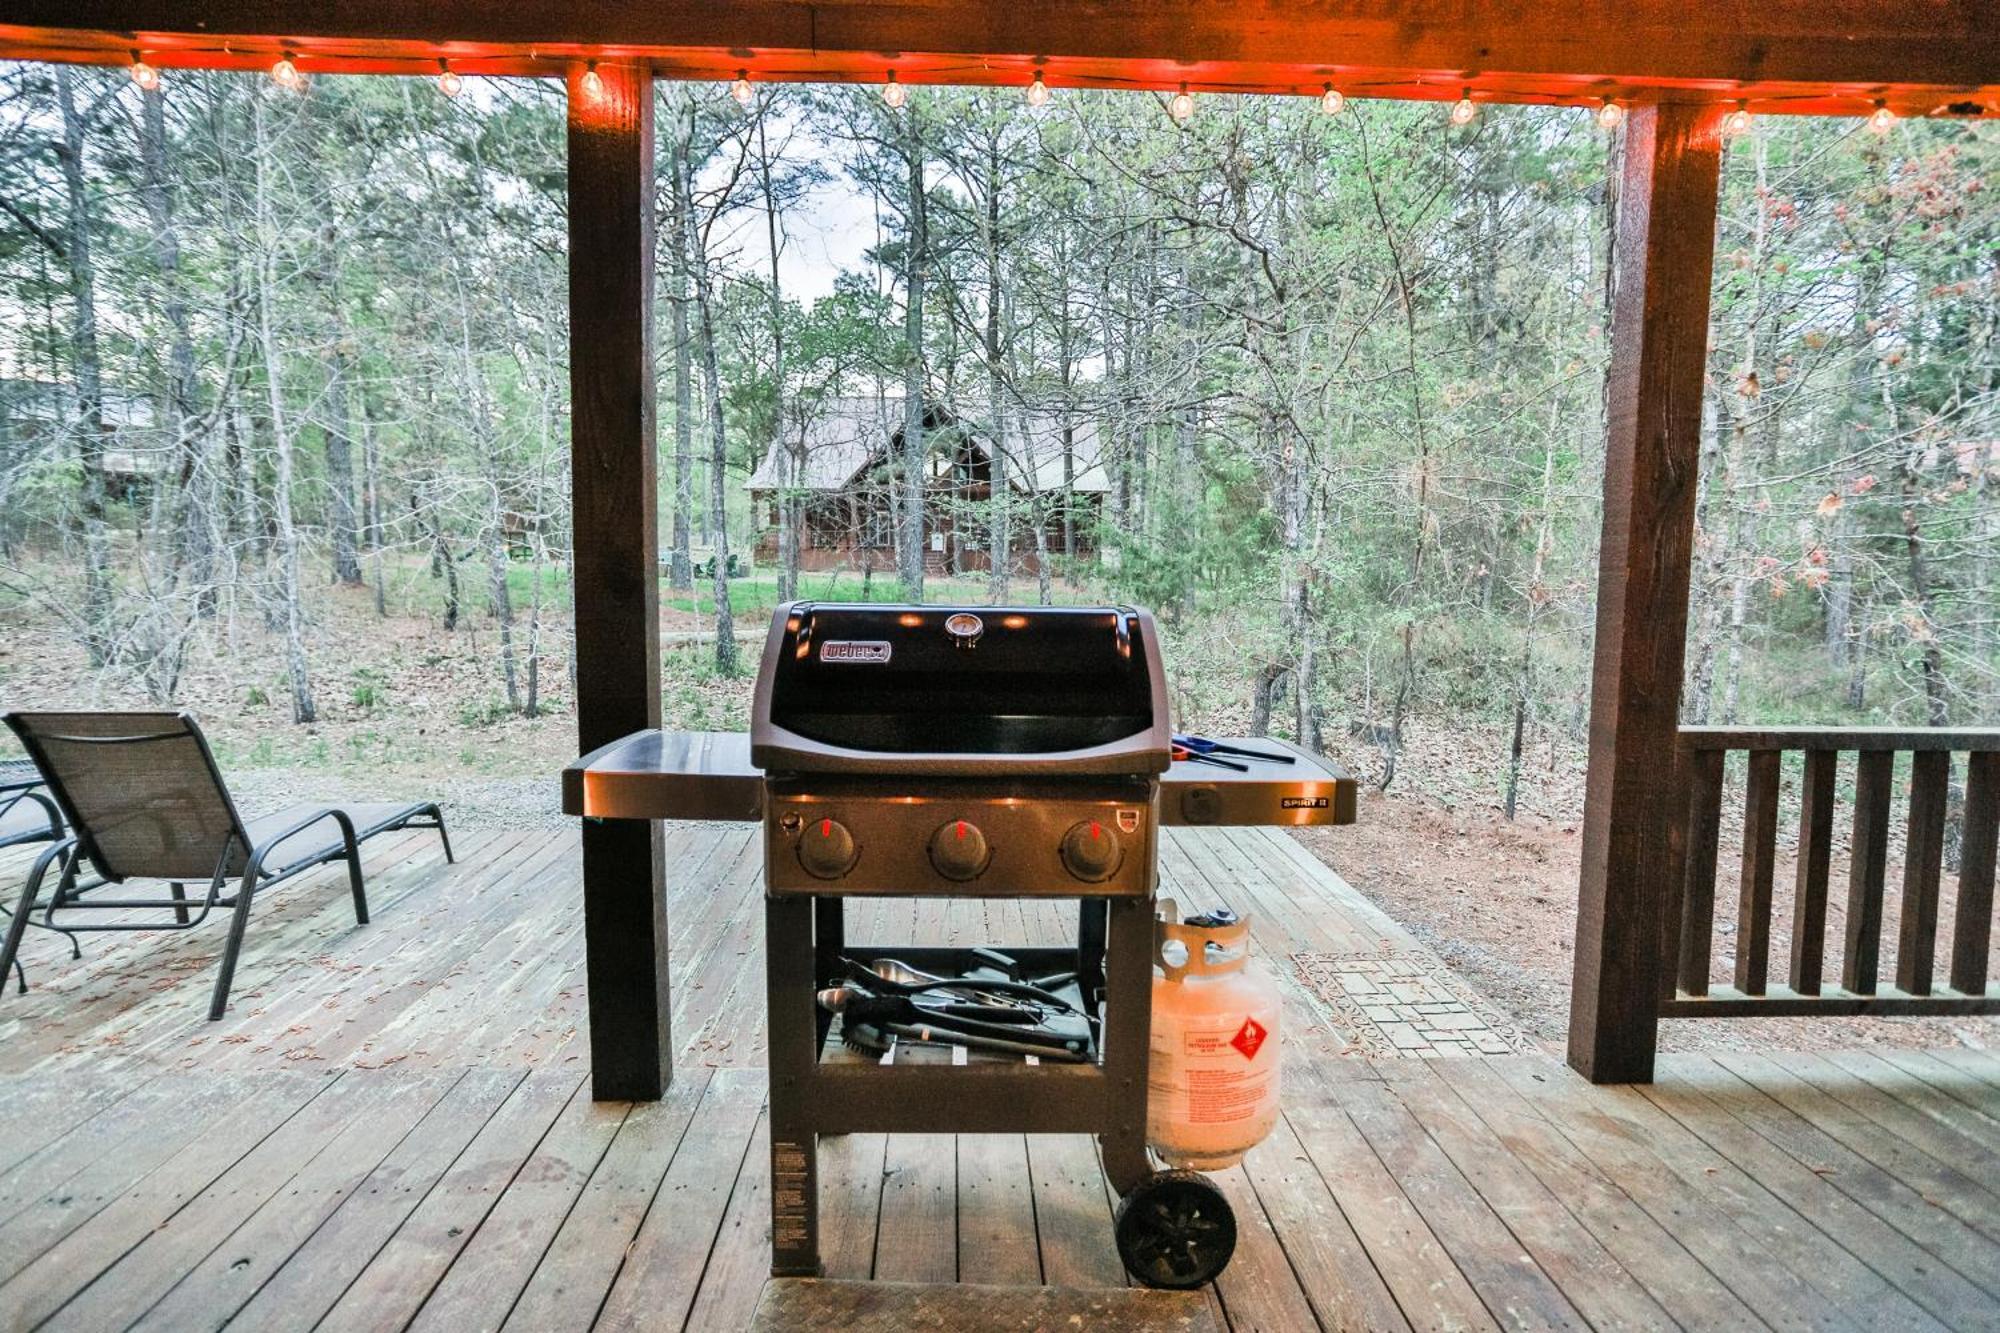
x=854, y=650
x=1302, y=803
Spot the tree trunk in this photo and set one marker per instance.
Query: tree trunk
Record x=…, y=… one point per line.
x=680, y=568
x=89, y=378
x=1930, y=653
x=790, y=501
x=999, y=553
x=910, y=521
x=342, y=520
x=718, y=458
x=444, y=565
x=303, y=710
x=1524, y=671
x=193, y=548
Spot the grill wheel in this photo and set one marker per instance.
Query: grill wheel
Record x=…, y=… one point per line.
x=1175, y=1230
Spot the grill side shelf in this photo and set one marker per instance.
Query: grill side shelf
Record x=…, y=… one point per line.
x=708, y=775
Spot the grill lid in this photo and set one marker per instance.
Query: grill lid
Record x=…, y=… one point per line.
x=960, y=691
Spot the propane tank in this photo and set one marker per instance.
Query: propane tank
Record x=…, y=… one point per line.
x=1212, y=1090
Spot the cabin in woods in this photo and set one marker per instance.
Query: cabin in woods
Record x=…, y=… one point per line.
x=836, y=465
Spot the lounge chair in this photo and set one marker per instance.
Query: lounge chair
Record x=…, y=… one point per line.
x=144, y=800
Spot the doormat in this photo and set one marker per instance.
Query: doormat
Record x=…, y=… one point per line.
x=1407, y=1004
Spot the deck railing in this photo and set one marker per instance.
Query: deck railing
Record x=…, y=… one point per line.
x=1935, y=756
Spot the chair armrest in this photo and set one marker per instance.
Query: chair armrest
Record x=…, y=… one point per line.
x=263, y=849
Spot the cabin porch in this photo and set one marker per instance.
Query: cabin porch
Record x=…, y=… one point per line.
x=394, y=1128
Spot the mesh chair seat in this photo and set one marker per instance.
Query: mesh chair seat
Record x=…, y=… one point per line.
x=318, y=841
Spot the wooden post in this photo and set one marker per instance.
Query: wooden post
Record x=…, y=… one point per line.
x=615, y=563
x=1663, y=254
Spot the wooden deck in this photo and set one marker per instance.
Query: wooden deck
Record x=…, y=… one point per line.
x=392, y=1128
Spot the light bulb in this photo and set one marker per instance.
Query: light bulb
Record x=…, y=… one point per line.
x=894, y=93
x=448, y=81
x=1038, y=92
x=1463, y=110
x=144, y=74
x=741, y=89
x=592, y=83
x=1332, y=100
x=1182, y=105
x=286, y=75
x=1610, y=116
x=1882, y=119
x=1737, y=122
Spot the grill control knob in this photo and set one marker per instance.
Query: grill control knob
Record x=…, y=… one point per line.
x=1091, y=851
x=959, y=851
x=826, y=849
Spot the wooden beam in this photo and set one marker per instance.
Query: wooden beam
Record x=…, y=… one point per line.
x=1663, y=253
x=1825, y=56
x=615, y=565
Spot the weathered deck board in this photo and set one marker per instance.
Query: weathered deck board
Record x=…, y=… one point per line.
x=392, y=1128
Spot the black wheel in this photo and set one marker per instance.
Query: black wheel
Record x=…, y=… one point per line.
x=1175, y=1230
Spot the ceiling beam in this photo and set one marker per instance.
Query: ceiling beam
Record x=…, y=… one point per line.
x=1919, y=56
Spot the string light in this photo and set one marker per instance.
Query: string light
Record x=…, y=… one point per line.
x=1332, y=100
x=1882, y=119
x=1737, y=122
x=1463, y=110
x=741, y=89
x=894, y=93
x=592, y=83
x=448, y=81
x=1182, y=105
x=286, y=74
x=1610, y=116
x=1038, y=92
x=144, y=74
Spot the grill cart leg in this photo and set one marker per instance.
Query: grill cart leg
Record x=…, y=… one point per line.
x=1090, y=919
x=829, y=941
x=1128, y=1027
x=794, y=1031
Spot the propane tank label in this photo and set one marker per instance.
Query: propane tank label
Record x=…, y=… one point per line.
x=1219, y=1079
x=1248, y=1038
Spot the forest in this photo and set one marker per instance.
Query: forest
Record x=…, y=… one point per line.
x=283, y=365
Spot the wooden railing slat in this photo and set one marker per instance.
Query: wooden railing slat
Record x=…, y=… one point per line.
x=1867, y=857
x=1972, y=926
x=1923, y=859
x=1704, y=793
x=1760, y=854
x=1815, y=869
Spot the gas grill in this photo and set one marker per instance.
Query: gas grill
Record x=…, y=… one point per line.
x=948, y=751
x=964, y=752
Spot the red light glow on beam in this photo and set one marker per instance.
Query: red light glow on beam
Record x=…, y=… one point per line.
x=354, y=55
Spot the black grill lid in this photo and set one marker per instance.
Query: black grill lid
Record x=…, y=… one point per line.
x=960, y=690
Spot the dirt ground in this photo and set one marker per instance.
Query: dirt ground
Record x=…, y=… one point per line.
x=1497, y=902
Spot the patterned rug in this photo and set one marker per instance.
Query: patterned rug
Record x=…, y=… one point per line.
x=1407, y=1004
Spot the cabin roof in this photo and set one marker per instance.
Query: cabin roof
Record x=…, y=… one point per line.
x=844, y=437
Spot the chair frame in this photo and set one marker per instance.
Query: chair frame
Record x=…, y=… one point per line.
x=72, y=852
